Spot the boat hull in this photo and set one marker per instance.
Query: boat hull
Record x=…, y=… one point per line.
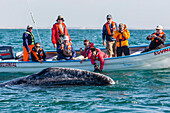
x=157, y=59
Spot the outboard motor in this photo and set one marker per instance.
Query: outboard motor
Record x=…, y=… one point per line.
x=6, y=52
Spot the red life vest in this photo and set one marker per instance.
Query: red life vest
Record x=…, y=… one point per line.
x=36, y=56
x=88, y=49
x=158, y=35
x=108, y=28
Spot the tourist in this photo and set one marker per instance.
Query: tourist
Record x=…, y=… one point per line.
x=122, y=35
x=87, y=51
x=66, y=51
x=59, y=30
x=28, y=42
x=38, y=54
x=97, y=54
x=108, y=31
x=157, y=39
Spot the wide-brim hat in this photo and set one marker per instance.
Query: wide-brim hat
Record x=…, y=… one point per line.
x=60, y=17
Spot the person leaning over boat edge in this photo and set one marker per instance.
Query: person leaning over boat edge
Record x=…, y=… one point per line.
x=108, y=31
x=28, y=42
x=59, y=30
x=122, y=35
x=97, y=54
x=66, y=50
x=157, y=39
x=87, y=51
x=38, y=54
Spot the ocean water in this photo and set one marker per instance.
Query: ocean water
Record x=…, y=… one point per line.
x=134, y=91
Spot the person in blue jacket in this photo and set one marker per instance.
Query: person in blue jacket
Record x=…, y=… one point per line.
x=66, y=50
x=108, y=31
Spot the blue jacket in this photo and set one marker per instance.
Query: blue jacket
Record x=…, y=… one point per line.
x=61, y=56
x=105, y=33
x=28, y=39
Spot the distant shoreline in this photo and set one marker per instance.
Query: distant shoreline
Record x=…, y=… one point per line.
x=80, y=28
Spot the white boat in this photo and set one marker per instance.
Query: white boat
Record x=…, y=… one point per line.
x=156, y=59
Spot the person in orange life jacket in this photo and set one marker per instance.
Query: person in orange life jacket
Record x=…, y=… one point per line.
x=108, y=31
x=28, y=42
x=66, y=50
x=122, y=35
x=59, y=30
x=87, y=51
x=157, y=39
x=97, y=54
x=38, y=54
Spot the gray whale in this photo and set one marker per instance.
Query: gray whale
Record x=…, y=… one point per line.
x=61, y=76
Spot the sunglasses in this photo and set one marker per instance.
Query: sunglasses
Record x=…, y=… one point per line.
x=60, y=19
x=85, y=44
x=37, y=46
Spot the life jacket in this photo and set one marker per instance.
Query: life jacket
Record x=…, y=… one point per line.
x=32, y=37
x=123, y=38
x=96, y=57
x=36, y=55
x=113, y=28
x=88, y=49
x=61, y=32
x=158, y=35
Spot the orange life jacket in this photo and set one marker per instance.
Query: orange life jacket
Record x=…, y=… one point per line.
x=158, y=35
x=123, y=38
x=108, y=28
x=36, y=56
x=69, y=46
x=96, y=57
x=60, y=29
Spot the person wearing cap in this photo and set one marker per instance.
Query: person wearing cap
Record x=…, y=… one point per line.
x=157, y=39
x=122, y=35
x=28, y=42
x=66, y=50
x=59, y=30
x=108, y=31
x=38, y=54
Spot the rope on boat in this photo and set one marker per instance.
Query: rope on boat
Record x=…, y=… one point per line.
x=33, y=19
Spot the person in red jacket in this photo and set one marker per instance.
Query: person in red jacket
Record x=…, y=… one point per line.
x=59, y=30
x=97, y=54
x=87, y=51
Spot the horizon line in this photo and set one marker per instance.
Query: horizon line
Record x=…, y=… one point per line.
x=78, y=28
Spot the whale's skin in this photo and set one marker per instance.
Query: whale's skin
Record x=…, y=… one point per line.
x=56, y=76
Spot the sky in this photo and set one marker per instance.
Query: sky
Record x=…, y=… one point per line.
x=136, y=14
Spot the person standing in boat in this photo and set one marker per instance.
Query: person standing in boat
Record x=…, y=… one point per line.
x=28, y=42
x=66, y=50
x=108, y=31
x=38, y=54
x=97, y=54
x=87, y=51
x=59, y=30
x=157, y=39
x=122, y=35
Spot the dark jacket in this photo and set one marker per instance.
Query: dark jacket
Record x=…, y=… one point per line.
x=105, y=34
x=62, y=56
x=28, y=39
x=40, y=54
x=156, y=42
